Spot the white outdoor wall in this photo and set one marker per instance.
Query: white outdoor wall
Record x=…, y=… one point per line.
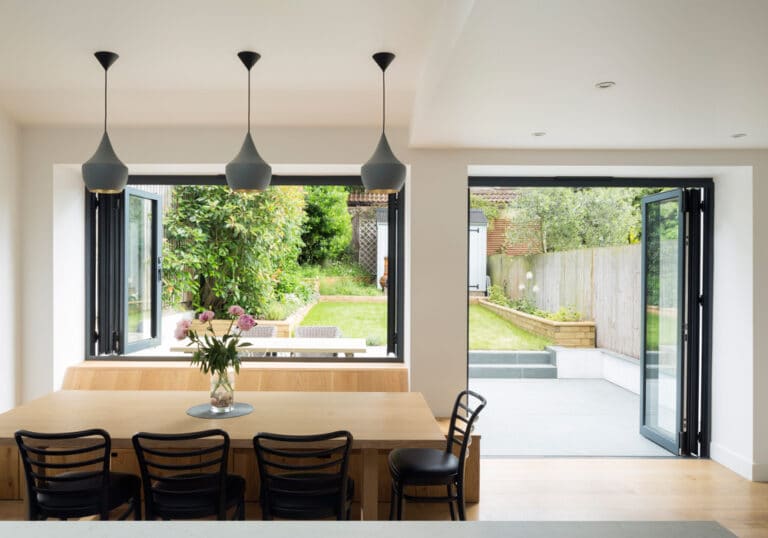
x=436, y=250
x=10, y=300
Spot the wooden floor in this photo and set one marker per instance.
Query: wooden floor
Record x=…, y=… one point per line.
x=568, y=489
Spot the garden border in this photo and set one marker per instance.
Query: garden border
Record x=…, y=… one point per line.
x=561, y=333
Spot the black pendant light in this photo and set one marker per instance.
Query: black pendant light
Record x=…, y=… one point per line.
x=248, y=172
x=383, y=173
x=104, y=172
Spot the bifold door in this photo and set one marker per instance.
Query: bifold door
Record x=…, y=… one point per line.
x=671, y=319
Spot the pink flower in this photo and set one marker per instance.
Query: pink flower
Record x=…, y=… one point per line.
x=246, y=322
x=236, y=310
x=182, y=329
x=206, y=316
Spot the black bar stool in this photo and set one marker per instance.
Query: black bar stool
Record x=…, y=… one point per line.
x=434, y=467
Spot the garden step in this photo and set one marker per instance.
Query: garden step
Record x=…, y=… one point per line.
x=511, y=357
x=513, y=371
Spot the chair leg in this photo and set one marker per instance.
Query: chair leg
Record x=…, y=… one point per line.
x=136, y=503
x=450, y=503
x=460, y=500
x=392, y=499
x=400, y=501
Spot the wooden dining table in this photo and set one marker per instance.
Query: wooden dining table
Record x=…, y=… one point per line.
x=377, y=420
x=345, y=346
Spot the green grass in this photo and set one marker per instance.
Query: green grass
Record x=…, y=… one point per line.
x=488, y=330
x=356, y=320
x=665, y=332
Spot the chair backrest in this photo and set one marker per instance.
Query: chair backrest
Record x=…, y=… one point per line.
x=465, y=411
x=261, y=331
x=72, y=464
x=183, y=474
x=303, y=476
x=317, y=331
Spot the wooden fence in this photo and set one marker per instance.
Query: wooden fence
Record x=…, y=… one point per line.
x=601, y=283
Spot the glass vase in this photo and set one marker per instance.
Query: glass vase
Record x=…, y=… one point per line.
x=223, y=391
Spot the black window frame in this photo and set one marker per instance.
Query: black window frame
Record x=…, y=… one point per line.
x=102, y=232
x=696, y=442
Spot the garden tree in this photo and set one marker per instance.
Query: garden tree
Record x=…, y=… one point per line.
x=228, y=248
x=564, y=218
x=491, y=210
x=327, y=229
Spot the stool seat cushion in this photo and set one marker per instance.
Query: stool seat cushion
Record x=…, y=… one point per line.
x=423, y=465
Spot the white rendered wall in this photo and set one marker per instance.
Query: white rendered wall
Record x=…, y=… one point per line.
x=68, y=270
x=10, y=300
x=436, y=249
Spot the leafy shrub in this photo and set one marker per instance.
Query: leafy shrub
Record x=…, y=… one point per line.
x=497, y=296
x=565, y=314
x=374, y=340
x=280, y=310
x=227, y=248
x=524, y=304
x=327, y=230
x=527, y=305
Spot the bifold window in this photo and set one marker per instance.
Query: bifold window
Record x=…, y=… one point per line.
x=312, y=256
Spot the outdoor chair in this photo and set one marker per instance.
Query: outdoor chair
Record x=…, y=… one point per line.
x=317, y=331
x=300, y=480
x=259, y=331
x=189, y=480
x=435, y=467
x=68, y=476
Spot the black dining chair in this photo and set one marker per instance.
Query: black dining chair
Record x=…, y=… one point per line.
x=185, y=475
x=68, y=476
x=304, y=476
x=435, y=467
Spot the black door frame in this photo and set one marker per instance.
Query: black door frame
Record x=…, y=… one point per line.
x=156, y=268
x=696, y=441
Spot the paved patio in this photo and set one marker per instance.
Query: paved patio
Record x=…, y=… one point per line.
x=560, y=417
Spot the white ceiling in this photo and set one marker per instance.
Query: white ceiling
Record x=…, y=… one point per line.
x=483, y=73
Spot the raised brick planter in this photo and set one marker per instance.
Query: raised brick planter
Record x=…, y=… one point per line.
x=561, y=333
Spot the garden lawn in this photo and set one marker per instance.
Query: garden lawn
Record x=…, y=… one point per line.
x=487, y=330
x=356, y=320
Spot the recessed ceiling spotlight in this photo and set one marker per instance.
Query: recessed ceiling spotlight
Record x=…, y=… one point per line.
x=539, y=133
x=604, y=85
x=738, y=135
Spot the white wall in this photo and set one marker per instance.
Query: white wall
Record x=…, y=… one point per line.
x=68, y=308
x=436, y=214
x=10, y=303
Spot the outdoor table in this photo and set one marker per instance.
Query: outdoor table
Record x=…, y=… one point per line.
x=377, y=420
x=347, y=346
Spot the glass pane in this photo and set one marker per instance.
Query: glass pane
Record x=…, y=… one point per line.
x=662, y=330
x=139, y=269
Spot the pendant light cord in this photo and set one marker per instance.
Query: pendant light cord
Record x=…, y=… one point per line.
x=249, y=101
x=383, y=102
x=105, y=100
